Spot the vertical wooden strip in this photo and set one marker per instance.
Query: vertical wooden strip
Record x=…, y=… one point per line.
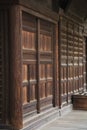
x=78, y=63
x=67, y=67
x=15, y=68
x=84, y=56
x=55, y=63
x=83, y=65
x=29, y=85
x=57, y=67
x=86, y=61
x=2, y=107
x=38, y=65
x=73, y=59
x=83, y=68
x=59, y=59
x=6, y=67
x=46, y=84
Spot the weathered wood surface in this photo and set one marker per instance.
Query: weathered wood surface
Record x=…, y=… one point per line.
x=79, y=102
x=40, y=8
x=71, y=72
x=15, y=68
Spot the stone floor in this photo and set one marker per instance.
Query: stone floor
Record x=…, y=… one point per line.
x=75, y=120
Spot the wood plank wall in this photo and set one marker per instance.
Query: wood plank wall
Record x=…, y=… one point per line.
x=71, y=59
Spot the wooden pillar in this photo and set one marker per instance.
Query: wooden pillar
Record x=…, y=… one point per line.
x=38, y=64
x=55, y=65
x=67, y=63
x=15, y=68
x=59, y=59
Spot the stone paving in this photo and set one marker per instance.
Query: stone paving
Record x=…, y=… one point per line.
x=75, y=120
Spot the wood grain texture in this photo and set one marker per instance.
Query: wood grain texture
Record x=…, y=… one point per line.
x=55, y=66
x=15, y=68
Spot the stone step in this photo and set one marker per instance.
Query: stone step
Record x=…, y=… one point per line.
x=40, y=119
x=74, y=120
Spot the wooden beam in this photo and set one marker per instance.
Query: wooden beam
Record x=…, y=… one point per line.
x=53, y=18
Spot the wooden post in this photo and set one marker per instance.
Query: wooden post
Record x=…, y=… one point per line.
x=67, y=63
x=73, y=57
x=38, y=64
x=15, y=68
x=55, y=65
x=59, y=59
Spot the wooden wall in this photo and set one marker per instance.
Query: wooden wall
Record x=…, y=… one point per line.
x=42, y=60
x=71, y=59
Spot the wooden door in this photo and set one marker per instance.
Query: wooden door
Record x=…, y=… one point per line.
x=37, y=68
x=29, y=84
x=46, y=64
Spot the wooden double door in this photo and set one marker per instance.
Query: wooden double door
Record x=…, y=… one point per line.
x=37, y=64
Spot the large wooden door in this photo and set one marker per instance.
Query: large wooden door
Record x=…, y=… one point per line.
x=37, y=67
